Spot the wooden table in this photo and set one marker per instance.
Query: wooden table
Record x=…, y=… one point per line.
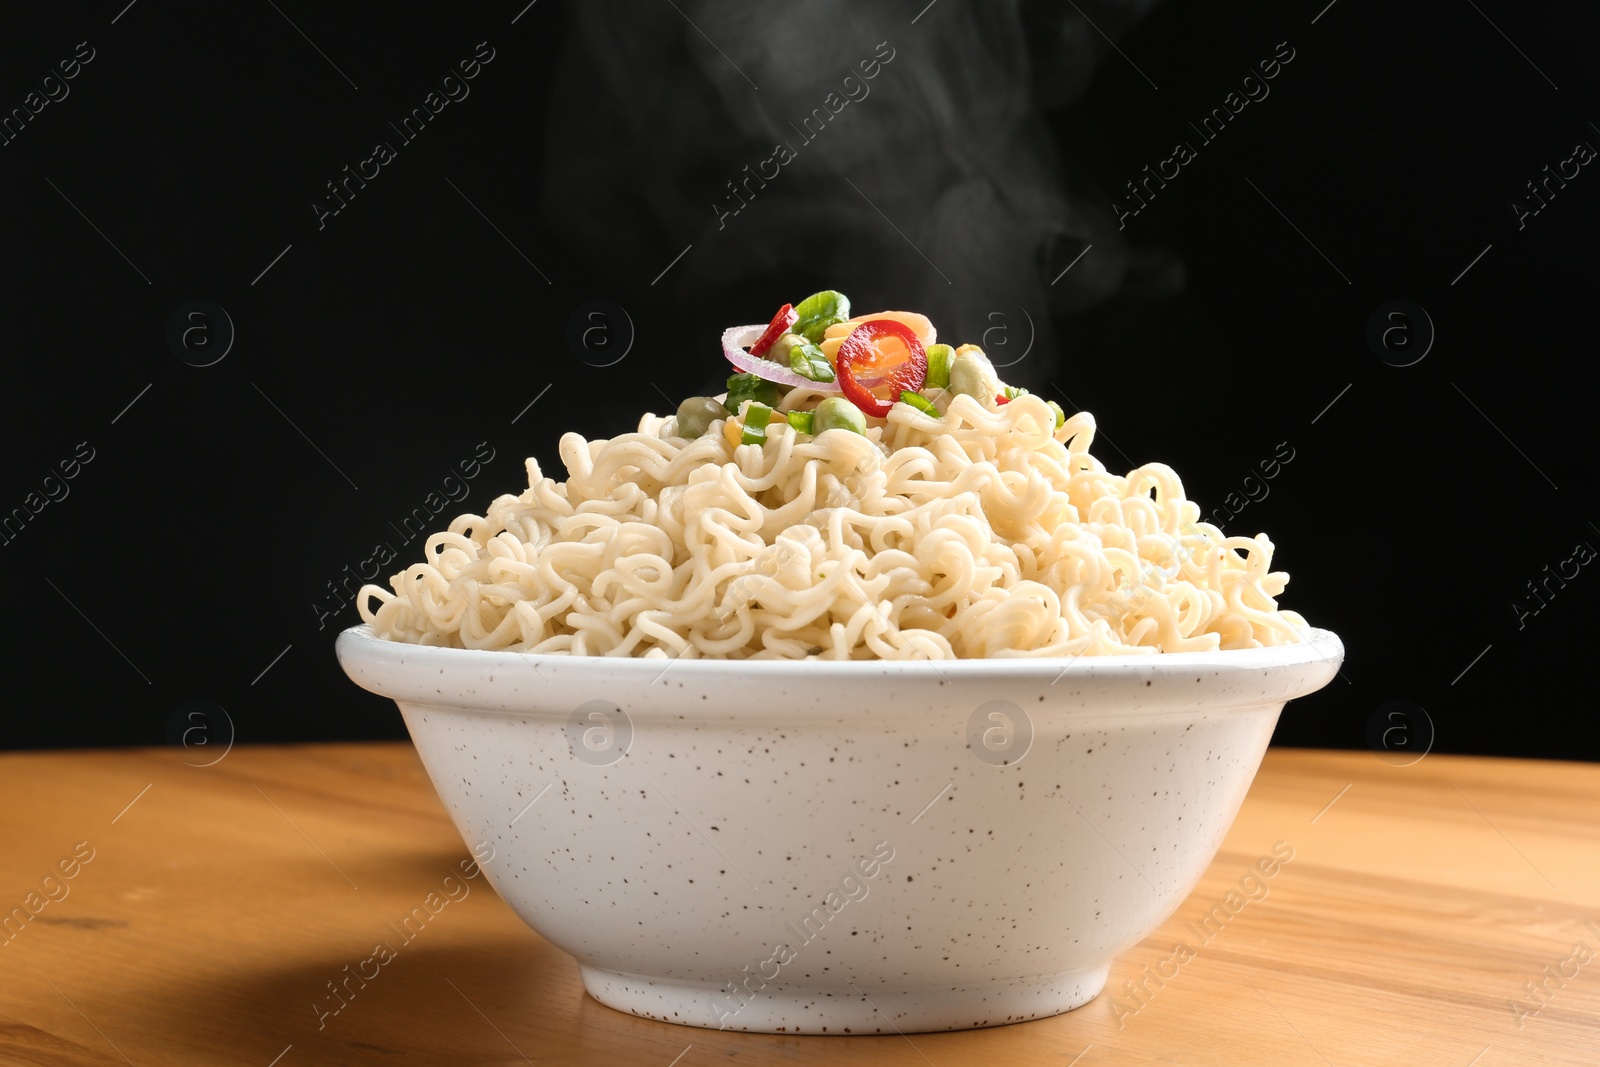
x=217, y=904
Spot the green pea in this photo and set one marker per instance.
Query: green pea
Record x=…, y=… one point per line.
x=779, y=352
x=837, y=413
x=696, y=414
x=972, y=374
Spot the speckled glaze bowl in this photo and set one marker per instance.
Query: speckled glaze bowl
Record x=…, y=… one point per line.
x=842, y=848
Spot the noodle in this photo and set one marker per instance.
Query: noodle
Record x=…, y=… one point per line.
x=985, y=532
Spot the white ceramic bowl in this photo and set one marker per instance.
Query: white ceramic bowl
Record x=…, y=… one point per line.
x=861, y=847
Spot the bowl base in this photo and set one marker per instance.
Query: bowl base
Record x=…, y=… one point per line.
x=810, y=1010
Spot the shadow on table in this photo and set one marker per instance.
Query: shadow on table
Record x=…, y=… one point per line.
x=504, y=1001
x=480, y=1003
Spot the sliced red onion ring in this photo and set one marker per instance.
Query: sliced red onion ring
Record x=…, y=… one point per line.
x=736, y=341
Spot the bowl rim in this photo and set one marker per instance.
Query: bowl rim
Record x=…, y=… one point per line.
x=360, y=643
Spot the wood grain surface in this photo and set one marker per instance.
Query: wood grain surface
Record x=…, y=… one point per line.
x=1442, y=913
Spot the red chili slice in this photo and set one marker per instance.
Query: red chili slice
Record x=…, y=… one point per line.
x=862, y=371
x=786, y=317
x=1001, y=398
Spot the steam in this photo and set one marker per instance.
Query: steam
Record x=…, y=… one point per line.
x=960, y=204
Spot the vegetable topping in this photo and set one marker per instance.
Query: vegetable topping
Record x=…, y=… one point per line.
x=880, y=360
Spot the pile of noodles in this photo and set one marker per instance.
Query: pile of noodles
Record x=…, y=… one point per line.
x=985, y=531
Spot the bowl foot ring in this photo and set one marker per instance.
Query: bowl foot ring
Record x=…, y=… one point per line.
x=786, y=1009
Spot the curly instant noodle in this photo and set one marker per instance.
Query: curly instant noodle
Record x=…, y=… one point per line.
x=984, y=530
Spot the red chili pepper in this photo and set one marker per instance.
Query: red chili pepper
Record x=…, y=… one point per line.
x=786, y=317
x=861, y=370
x=1001, y=398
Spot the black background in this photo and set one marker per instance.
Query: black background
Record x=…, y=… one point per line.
x=382, y=347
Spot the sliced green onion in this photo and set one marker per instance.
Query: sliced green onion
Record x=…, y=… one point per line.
x=1061, y=416
x=939, y=357
x=920, y=402
x=801, y=421
x=803, y=357
x=819, y=311
x=1014, y=391
x=756, y=417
